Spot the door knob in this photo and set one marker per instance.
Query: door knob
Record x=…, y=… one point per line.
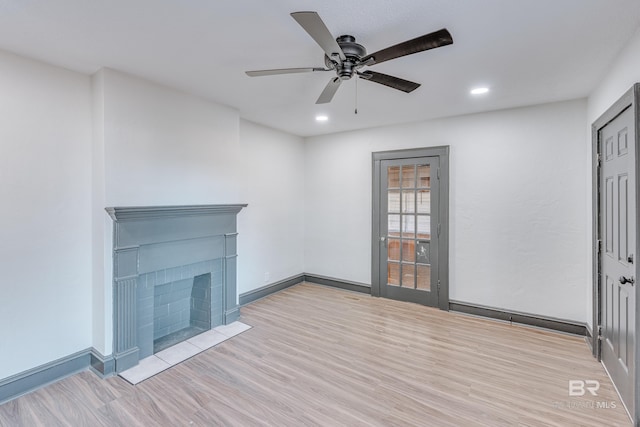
x=624, y=280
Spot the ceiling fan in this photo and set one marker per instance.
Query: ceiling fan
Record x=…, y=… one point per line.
x=346, y=57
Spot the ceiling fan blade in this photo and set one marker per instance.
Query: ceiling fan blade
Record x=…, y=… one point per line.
x=393, y=82
x=313, y=24
x=428, y=41
x=277, y=71
x=329, y=90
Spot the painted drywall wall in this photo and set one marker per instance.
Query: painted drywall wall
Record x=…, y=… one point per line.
x=271, y=244
x=622, y=74
x=45, y=255
x=517, y=225
x=165, y=147
x=100, y=223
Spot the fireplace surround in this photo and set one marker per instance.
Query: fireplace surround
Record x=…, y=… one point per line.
x=174, y=275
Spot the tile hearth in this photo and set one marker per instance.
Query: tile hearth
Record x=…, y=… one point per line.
x=178, y=353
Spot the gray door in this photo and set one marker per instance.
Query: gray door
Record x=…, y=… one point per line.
x=408, y=229
x=618, y=239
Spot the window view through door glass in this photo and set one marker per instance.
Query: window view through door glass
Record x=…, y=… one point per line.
x=409, y=226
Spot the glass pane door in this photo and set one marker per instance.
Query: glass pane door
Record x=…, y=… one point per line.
x=407, y=206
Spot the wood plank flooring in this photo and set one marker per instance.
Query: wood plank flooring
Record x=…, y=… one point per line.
x=326, y=357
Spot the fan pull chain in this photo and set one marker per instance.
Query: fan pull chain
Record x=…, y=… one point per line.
x=356, y=109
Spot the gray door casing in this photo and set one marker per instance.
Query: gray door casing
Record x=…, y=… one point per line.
x=441, y=156
x=627, y=103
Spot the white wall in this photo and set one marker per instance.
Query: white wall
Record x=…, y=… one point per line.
x=271, y=228
x=622, y=74
x=100, y=224
x=518, y=223
x=45, y=255
x=165, y=147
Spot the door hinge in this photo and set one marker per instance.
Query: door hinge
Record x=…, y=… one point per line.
x=599, y=245
x=599, y=159
x=438, y=287
x=438, y=173
x=438, y=230
x=599, y=332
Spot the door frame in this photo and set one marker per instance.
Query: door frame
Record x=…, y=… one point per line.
x=442, y=153
x=631, y=99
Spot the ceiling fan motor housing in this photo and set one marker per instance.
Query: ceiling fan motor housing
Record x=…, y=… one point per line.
x=353, y=52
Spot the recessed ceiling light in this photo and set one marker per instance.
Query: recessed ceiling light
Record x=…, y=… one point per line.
x=322, y=118
x=479, y=90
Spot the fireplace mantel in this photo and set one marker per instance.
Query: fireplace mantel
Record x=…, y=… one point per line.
x=153, y=245
x=142, y=212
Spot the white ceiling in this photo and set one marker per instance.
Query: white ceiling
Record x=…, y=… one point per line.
x=526, y=51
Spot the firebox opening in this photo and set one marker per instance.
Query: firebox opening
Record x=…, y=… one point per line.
x=181, y=310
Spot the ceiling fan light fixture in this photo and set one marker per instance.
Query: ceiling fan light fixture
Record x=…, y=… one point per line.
x=479, y=91
x=321, y=118
x=345, y=57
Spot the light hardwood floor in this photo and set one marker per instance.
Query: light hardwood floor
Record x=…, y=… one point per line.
x=322, y=356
